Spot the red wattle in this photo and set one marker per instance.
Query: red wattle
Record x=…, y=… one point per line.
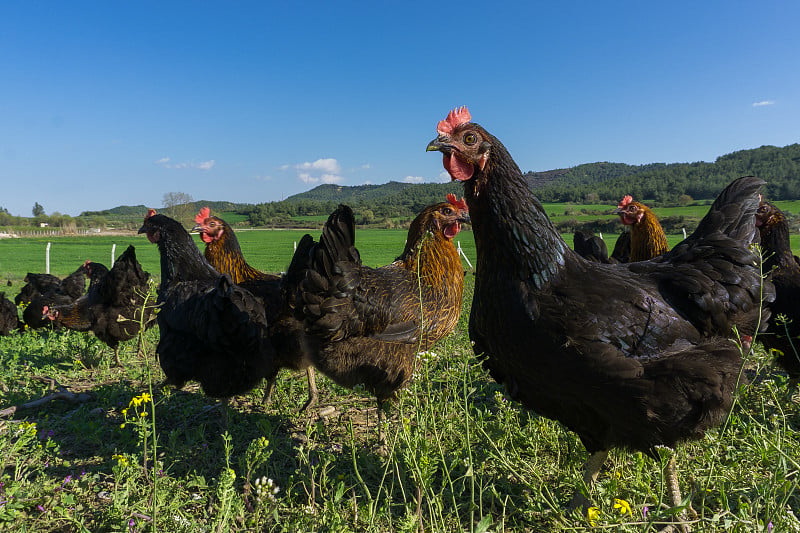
x=458, y=169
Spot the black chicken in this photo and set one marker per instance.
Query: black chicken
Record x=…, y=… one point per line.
x=9, y=318
x=590, y=247
x=46, y=290
x=626, y=355
x=622, y=249
x=784, y=272
x=212, y=331
x=113, y=307
x=371, y=322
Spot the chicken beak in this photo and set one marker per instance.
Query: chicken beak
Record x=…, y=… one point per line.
x=464, y=218
x=197, y=228
x=141, y=230
x=438, y=145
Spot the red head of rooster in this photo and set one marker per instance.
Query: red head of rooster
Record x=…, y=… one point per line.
x=210, y=227
x=630, y=212
x=456, y=213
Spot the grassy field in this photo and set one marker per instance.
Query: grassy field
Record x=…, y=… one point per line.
x=128, y=456
x=268, y=250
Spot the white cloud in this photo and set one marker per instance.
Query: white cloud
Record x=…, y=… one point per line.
x=320, y=171
x=330, y=165
x=763, y=103
x=413, y=179
x=444, y=177
x=203, y=165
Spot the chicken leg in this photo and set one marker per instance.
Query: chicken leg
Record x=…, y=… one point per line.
x=591, y=469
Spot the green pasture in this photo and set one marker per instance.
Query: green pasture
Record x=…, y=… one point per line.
x=267, y=250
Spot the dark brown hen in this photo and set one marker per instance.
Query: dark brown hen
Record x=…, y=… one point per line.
x=286, y=332
x=590, y=247
x=371, y=322
x=114, y=307
x=783, y=333
x=46, y=290
x=211, y=330
x=9, y=317
x=626, y=355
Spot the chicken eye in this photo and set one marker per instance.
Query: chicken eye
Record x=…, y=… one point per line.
x=447, y=211
x=470, y=138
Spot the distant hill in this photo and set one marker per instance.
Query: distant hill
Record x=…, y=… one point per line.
x=139, y=210
x=417, y=194
x=660, y=184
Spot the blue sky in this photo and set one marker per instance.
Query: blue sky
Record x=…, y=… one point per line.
x=116, y=103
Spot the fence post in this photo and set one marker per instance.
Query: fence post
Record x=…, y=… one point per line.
x=684, y=233
x=461, y=252
x=47, y=259
x=113, y=253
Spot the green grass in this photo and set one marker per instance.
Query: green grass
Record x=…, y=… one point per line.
x=461, y=456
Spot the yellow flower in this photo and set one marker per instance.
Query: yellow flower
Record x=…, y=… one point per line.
x=145, y=397
x=623, y=506
x=593, y=514
x=121, y=459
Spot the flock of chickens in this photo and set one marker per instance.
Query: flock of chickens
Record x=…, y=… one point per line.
x=639, y=350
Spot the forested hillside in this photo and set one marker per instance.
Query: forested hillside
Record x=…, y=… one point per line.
x=668, y=183
x=659, y=183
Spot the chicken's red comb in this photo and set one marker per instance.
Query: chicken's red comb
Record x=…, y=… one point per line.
x=202, y=215
x=150, y=212
x=625, y=201
x=455, y=118
x=455, y=202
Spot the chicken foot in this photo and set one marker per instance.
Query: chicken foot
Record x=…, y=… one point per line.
x=591, y=469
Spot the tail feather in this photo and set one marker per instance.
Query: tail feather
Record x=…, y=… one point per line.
x=337, y=242
x=733, y=212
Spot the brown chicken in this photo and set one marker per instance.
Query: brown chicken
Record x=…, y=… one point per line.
x=647, y=236
x=223, y=250
x=371, y=322
x=631, y=355
x=286, y=332
x=783, y=334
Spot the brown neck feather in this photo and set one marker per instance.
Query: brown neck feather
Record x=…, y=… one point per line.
x=647, y=238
